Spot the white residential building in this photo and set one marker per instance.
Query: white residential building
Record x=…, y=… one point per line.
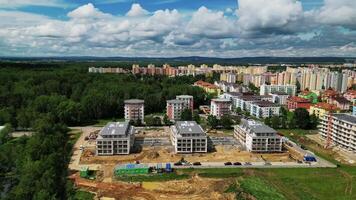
x=175, y=108
x=268, y=89
x=115, y=138
x=279, y=98
x=188, y=137
x=188, y=101
x=264, y=109
x=220, y=107
x=257, y=137
x=342, y=130
x=135, y=110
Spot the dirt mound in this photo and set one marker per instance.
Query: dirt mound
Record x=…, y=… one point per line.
x=153, y=155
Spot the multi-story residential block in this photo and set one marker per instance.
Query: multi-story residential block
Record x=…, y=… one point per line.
x=264, y=109
x=279, y=98
x=257, y=137
x=188, y=137
x=341, y=103
x=220, y=107
x=329, y=93
x=228, y=77
x=135, y=110
x=350, y=95
x=115, y=138
x=268, y=89
x=208, y=87
x=339, y=129
x=298, y=102
x=321, y=109
x=188, y=101
x=174, y=109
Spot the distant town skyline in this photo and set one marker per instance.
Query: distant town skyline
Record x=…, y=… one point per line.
x=170, y=28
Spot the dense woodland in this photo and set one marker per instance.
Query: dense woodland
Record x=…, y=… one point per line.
x=47, y=98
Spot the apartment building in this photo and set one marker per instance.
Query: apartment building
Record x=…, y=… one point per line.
x=188, y=101
x=257, y=137
x=340, y=102
x=268, y=89
x=279, y=98
x=208, y=87
x=135, y=110
x=188, y=137
x=264, y=109
x=340, y=129
x=298, y=102
x=220, y=107
x=115, y=138
x=174, y=109
x=322, y=108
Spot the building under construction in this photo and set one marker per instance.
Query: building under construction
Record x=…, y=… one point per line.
x=339, y=129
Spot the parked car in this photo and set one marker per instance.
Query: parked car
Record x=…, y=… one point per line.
x=268, y=163
x=227, y=163
x=178, y=164
x=196, y=163
x=237, y=163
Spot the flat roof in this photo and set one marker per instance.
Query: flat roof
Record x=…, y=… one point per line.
x=346, y=117
x=115, y=128
x=265, y=104
x=222, y=100
x=175, y=101
x=134, y=101
x=257, y=127
x=187, y=127
x=185, y=96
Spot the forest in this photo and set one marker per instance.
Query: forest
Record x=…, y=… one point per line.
x=47, y=98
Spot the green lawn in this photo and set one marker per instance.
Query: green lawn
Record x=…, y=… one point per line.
x=83, y=195
x=153, y=177
x=260, y=189
x=103, y=122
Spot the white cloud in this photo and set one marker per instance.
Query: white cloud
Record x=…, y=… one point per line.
x=210, y=24
x=21, y=3
x=268, y=14
x=338, y=12
x=87, y=11
x=136, y=11
x=204, y=32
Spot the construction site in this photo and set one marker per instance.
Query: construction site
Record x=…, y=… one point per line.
x=152, y=147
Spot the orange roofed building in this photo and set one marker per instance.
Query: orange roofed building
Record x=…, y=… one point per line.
x=208, y=87
x=298, y=102
x=321, y=109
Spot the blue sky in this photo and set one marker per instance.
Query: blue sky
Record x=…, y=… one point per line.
x=165, y=28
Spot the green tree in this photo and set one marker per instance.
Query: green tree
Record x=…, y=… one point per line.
x=226, y=122
x=213, y=122
x=314, y=120
x=5, y=134
x=267, y=121
x=186, y=115
x=196, y=117
x=238, y=110
x=166, y=120
x=275, y=122
x=302, y=119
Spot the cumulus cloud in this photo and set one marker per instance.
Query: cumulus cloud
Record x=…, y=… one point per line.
x=208, y=23
x=260, y=28
x=136, y=11
x=87, y=11
x=269, y=15
x=338, y=12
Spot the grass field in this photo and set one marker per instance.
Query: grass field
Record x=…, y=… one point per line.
x=260, y=189
x=153, y=177
x=83, y=195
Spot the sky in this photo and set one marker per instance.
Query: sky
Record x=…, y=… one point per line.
x=172, y=28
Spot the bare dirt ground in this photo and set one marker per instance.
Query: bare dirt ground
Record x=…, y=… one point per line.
x=338, y=154
x=195, y=188
x=162, y=155
x=153, y=132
